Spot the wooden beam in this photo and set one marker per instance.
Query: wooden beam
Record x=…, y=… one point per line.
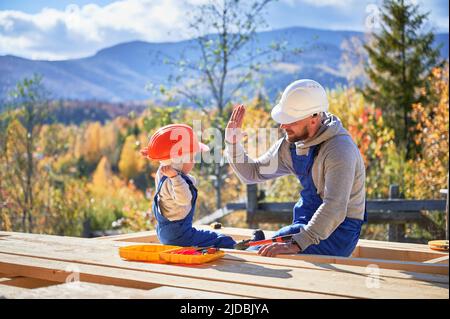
x=252, y=204
x=265, y=215
x=374, y=205
x=382, y=250
x=437, y=269
x=291, y=262
x=25, y=282
x=396, y=254
x=57, y=271
x=396, y=245
x=84, y=290
x=438, y=260
x=151, y=237
x=254, y=275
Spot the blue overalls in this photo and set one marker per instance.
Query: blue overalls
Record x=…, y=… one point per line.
x=181, y=232
x=343, y=240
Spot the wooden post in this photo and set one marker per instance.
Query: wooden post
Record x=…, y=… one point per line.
x=446, y=211
x=252, y=204
x=396, y=231
x=87, y=228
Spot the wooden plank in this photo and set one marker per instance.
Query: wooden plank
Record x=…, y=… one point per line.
x=393, y=205
x=407, y=275
x=55, y=270
x=403, y=205
x=389, y=244
x=84, y=290
x=395, y=218
x=379, y=211
x=439, y=260
x=265, y=215
x=436, y=269
x=281, y=261
x=25, y=282
x=366, y=249
x=397, y=254
x=251, y=257
x=151, y=237
x=6, y=276
x=419, y=248
x=269, y=276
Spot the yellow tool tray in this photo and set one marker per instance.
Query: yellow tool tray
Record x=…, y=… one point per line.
x=441, y=245
x=144, y=252
x=171, y=256
x=165, y=253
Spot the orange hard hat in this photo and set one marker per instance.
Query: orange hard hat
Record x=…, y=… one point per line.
x=173, y=141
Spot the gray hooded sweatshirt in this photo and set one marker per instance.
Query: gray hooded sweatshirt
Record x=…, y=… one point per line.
x=338, y=173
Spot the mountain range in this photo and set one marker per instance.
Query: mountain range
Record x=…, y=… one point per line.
x=121, y=72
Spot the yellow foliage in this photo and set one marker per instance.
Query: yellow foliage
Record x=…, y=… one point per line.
x=5, y=221
x=108, y=142
x=131, y=163
x=91, y=143
x=102, y=176
x=429, y=172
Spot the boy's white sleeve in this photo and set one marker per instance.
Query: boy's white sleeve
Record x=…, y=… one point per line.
x=174, y=197
x=179, y=190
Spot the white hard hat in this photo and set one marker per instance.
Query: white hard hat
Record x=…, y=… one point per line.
x=300, y=99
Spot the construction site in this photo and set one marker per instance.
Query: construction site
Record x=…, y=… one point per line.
x=209, y=150
x=42, y=266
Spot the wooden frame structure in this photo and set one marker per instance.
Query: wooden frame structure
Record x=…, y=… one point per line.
x=43, y=266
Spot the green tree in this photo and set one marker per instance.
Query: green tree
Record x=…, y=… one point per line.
x=401, y=58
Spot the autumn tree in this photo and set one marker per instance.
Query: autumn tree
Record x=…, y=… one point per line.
x=401, y=56
x=131, y=163
x=19, y=157
x=109, y=143
x=91, y=143
x=429, y=170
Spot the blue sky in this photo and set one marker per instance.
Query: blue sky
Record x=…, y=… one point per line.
x=61, y=29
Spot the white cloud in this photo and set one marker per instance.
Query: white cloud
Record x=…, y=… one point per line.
x=322, y=3
x=80, y=31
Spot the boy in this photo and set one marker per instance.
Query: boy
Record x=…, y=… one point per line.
x=176, y=194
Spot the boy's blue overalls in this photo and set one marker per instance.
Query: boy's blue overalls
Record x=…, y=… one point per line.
x=343, y=240
x=181, y=232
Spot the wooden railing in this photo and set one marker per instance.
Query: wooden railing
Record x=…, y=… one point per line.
x=394, y=211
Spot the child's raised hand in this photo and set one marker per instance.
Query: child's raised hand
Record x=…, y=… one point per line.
x=168, y=171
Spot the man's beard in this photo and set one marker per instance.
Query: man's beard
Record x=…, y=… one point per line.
x=295, y=138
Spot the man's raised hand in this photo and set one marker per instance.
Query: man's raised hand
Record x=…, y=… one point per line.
x=233, y=132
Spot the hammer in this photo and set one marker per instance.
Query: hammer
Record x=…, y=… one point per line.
x=249, y=243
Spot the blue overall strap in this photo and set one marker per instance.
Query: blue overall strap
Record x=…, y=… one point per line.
x=181, y=232
x=155, y=206
x=366, y=215
x=345, y=237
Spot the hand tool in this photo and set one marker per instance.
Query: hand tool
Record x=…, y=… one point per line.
x=249, y=243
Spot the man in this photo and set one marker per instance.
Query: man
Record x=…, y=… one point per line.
x=316, y=148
